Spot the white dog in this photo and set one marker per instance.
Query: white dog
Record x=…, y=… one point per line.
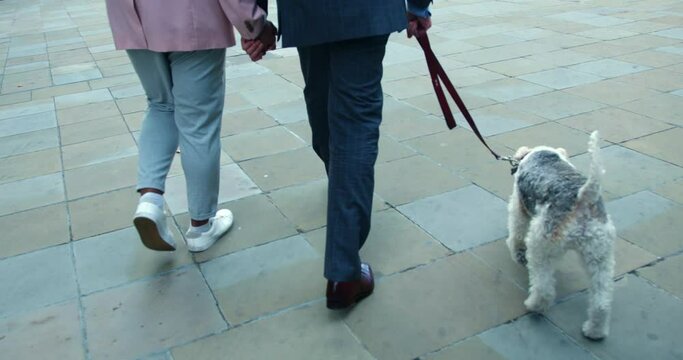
x=553, y=208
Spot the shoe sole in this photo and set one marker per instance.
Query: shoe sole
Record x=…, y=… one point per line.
x=336, y=305
x=200, y=249
x=150, y=235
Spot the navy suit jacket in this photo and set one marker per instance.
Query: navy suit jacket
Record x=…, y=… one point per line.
x=312, y=22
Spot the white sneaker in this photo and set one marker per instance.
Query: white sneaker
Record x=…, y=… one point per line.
x=220, y=224
x=150, y=222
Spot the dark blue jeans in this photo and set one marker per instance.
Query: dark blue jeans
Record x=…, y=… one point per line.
x=344, y=102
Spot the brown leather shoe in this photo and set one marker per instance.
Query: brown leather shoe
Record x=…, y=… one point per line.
x=342, y=294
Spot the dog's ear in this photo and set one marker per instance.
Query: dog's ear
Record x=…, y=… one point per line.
x=522, y=152
x=563, y=152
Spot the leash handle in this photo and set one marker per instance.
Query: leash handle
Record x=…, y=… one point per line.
x=438, y=75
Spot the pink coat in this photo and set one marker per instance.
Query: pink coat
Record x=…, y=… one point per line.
x=182, y=25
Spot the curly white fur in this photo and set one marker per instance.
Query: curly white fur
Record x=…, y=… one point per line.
x=553, y=209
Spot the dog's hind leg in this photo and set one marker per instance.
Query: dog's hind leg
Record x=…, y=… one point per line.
x=518, y=226
x=598, y=256
x=542, y=255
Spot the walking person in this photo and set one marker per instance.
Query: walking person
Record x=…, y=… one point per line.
x=341, y=45
x=178, y=51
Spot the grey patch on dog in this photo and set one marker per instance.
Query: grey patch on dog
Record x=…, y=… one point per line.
x=544, y=178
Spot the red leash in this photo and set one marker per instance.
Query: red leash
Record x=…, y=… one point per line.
x=438, y=75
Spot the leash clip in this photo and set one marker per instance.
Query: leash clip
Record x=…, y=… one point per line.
x=514, y=163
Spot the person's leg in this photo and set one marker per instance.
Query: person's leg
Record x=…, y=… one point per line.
x=355, y=113
x=199, y=92
x=159, y=135
x=157, y=144
x=315, y=67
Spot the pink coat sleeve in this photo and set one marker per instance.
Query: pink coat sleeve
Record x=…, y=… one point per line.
x=245, y=16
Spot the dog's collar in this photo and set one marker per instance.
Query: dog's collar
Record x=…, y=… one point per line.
x=514, y=163
x=513, y=169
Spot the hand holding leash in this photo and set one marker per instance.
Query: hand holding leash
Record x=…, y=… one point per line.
x=418, y=26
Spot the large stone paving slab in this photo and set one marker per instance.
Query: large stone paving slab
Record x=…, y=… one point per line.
x=615, y=125
x=265, y=279
x=472, y=348
x=394, y=244
x=628, y=171
x=257, y=221
x=243, y=121
x=609, y=68
x=663, y=107
x=645, y=322
x=306, y=205
x=116, y=206
x=311, y=332
x=671, y=189
x=98, y=151
x=460, y=219
x=507, y=89
x=555, y=105
x=34, y=280
x=29, y=142
x=664, y=145
x=649, y=221
x=88, y=112
x=459, y=150
x=27, y=123
x=31, y=164
x=102, y=177
x=548, y=134
x=666, y=274
x=82, y=98
x=261, y=143
x=560, y=78
x=657, y=79
x=234, y=184
x=430, y=104
x=406, y=180
x=127, y=259
x=570, y=273
x=397, y=323
x=164, y=312
x=660, y=234
x=31, y=193
x=637, y=208
x=541, y=340
x=285, y=169
x=289, y=112
x=390, y=150
x=401, y=121
x=50, y=333
x=92, y=130
x=53, y=230
x=612, y=91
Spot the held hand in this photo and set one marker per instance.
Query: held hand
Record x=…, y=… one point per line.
x=268, y=36
x=258, y=47
x=418, y=26
x=253, y=48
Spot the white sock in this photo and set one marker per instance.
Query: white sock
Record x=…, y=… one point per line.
x=154, y=198
x=200, y=229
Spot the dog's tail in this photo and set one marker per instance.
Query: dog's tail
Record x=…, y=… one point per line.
x=590, y=191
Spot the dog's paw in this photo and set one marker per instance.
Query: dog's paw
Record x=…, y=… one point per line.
x=593, y=332
x=537, y=304
x=520, y=257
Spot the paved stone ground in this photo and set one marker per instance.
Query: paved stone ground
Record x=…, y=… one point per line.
x=75, y=283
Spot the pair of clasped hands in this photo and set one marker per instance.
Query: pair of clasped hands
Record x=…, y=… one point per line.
x=257, y=48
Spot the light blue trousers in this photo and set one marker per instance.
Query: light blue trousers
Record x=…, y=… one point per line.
x=185, y=93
